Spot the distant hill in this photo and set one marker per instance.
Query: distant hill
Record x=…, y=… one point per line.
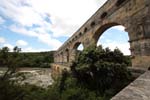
x=36, y=59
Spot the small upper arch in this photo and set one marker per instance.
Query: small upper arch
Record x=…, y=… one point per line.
x=77, y=45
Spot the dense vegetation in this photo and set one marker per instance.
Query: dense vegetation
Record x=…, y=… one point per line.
x=33, y=59
x=38, y=59
x=97, y=74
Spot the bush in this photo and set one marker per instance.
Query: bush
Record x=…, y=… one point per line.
x=102, y=70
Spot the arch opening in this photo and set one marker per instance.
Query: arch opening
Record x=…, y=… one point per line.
x=114, y=36
x=78, y=46
x=77, y=49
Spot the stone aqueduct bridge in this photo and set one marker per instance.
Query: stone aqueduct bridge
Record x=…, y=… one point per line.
x=134, y=15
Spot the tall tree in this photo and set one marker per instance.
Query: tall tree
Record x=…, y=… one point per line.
x=9, y=60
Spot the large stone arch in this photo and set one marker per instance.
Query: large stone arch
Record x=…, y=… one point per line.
x=101, y=30
x=134, y=15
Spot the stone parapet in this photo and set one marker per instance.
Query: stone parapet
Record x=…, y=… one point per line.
x=137, y=90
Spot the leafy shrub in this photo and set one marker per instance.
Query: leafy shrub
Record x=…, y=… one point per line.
x=101, y=70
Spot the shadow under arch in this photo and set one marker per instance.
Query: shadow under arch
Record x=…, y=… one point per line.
x=67, y=55
x=77, y=44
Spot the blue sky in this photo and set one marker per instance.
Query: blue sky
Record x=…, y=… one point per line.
x=44, y=25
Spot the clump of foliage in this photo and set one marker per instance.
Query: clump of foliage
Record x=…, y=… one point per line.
x=36, y=59
x=10, y=61
x=102, y=70
x=28, y=59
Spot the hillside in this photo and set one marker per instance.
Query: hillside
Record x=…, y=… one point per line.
x=35, y=59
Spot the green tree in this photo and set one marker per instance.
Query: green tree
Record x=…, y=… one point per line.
x=101, y=70
x=9, y=60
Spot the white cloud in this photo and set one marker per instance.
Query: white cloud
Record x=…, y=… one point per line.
x=46, y=38
x=18, y=12
x=21, y=43
x=38, y=33
x=66, y=15
x=2, y=40
x=100, y=2
x=71, y=16
x=48, y=19
x=80, y=47
x=31, y=49
x=119, y=27
x=124, y=47
x=1, y=20
x=22, y=30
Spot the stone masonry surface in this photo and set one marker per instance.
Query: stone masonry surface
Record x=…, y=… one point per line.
x=137, y=90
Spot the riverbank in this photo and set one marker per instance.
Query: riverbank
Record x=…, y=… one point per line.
x=35, y=76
